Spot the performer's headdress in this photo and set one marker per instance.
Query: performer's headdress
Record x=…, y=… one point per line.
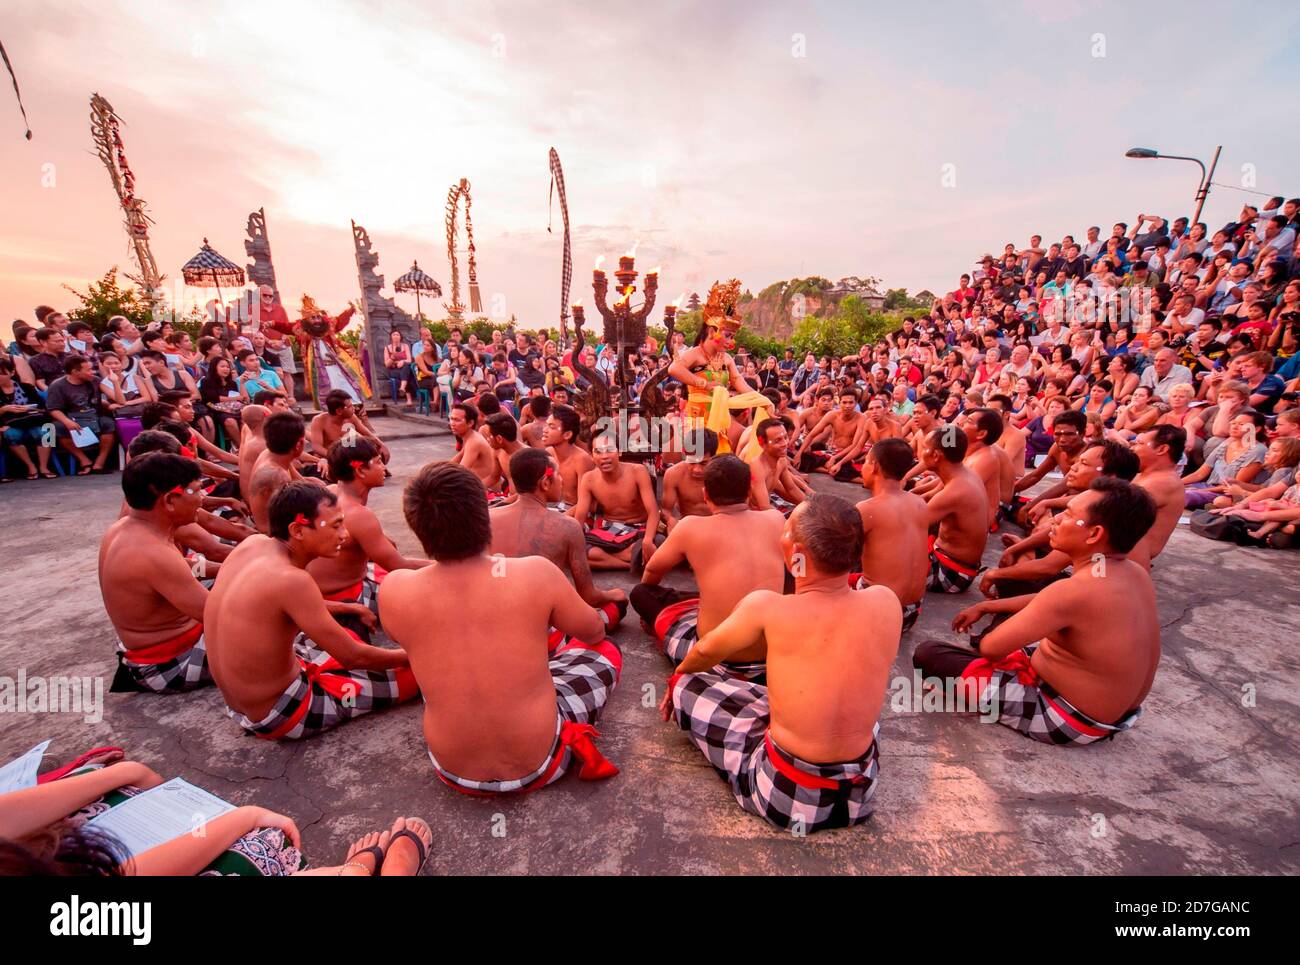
x=309, y=307
x=723, y=307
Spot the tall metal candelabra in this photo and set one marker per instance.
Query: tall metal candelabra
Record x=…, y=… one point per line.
x=624, y=328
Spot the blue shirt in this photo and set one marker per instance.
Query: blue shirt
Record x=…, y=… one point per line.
x=265, y=379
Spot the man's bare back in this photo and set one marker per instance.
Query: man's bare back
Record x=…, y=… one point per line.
x=894, y=552
x=733, y=552
x=574, y=464
x=250, y=634
x=961, y=510
x=490, y=703
x=830, y=651
x=1167, y=489
x=141, y=573
x=268, y=478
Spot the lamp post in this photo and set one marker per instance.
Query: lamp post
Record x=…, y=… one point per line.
x=1203, y=190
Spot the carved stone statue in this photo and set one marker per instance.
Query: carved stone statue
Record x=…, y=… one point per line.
x=381, y=313
x=258, y=247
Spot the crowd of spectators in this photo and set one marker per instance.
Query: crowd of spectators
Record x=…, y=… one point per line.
x=1157, y=323
x=70, y=403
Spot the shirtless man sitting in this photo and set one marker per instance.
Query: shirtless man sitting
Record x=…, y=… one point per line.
x=285, y=667
x=502, y=434
x=846, y=429
x=368, y=554
x=1159, y=450
x=527, y=528
x=501, y=712
x=959, y=508
x=210, y=538
x=341, y=420
x=1073, y=663
x=799, y=750
x=625, y=496
x=895, y=527
x=532, y=424
x=563, y=426
x=881, y=423
x=732, y=552
x=251, y=443
x=1067, y=431
x=773, y=481
x=472, y=450
x=1030, y=564
x=153, y=599
x=684, y=481
x=276, y=467
x=985, y=458
x=809, y=417
x=1012, y=442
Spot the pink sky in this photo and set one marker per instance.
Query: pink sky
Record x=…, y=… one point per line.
x=764, y=141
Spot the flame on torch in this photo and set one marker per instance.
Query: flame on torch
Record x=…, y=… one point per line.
x=600, y=260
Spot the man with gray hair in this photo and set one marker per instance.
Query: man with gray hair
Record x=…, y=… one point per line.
x=1164, y=373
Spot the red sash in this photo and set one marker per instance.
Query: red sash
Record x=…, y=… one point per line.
x=157, y=653
x=669, y=614
x=580, y=740
x=786, y=767
x=1020, y=663
x=951, y=563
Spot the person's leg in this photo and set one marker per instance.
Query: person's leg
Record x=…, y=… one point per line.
x=938, y=658
x=43, y=453
x=14, y=443
x=650, y=600
x=107, y=447
x=599, y=559
x=83, y=464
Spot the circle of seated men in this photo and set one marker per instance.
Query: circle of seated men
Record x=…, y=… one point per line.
x=778, y=662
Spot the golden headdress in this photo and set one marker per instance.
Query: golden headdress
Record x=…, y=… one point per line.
x=723, y=307
x=309, y=307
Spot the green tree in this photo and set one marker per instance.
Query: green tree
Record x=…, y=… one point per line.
x=896, y=298
x=105, y=298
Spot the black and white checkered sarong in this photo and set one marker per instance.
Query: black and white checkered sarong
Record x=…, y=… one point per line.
x=325, y=694
x=727, y=718
x=186, y=671
x=683, y=632
x=584, y=676
x=1028, y=704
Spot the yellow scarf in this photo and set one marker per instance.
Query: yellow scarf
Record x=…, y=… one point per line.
x=719, y=418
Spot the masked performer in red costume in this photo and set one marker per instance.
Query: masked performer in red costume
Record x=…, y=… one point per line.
x=328, y=364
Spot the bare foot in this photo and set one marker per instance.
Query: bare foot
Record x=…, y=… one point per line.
x=1008, y=540
x=403, y=857
x=360, y=857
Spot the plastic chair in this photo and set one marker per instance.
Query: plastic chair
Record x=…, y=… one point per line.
x=422, y=401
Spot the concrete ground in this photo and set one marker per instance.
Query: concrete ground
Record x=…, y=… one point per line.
x=1205, y=783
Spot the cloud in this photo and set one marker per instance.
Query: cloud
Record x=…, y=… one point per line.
x=696, y=128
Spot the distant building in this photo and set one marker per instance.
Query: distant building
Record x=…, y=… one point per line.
x=853, y=285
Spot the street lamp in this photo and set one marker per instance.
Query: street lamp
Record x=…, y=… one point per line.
x=1203, y=190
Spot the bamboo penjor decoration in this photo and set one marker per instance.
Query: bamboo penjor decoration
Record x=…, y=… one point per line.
x=104, y=124
x=456, y=309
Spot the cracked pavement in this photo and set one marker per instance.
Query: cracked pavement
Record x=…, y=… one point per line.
x=1204, y=784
